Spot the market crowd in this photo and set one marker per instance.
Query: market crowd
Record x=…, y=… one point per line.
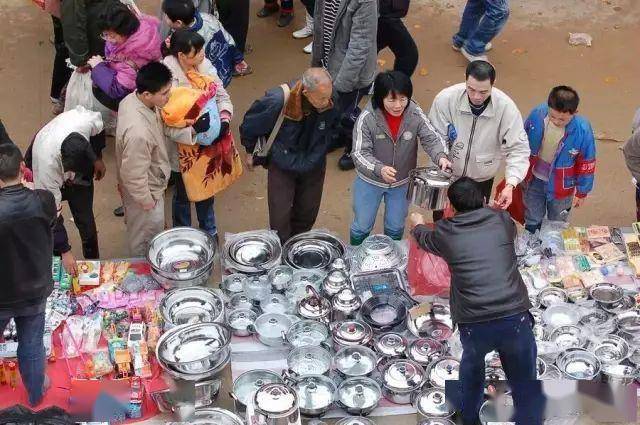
x=161, y=87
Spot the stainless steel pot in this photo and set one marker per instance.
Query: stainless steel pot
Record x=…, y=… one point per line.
x=442, y=370
x=400, y=379
x=355, y=420
x=577, y=363
x=384, y=313
x=232, y=284
x=432, y=404
x=248, y=383
x=215, y=415
x=355, y=361
x=191, y=305
x=497, y=410
x=619, y=374
x=241, y=320
x=345, y=305
x=314, y=307
x=337, y=278
x=194, y=349
x=315, y=394
x=628, y=324
x=257, y=288
x=425, y=350
x=275, y=303
x=390, y=345
x=181, y=257
x=270, y=328
x=315, y=249
x=358, y=396
x=350, y=333
x=428, y=188
x=309, y=360
x=275, y=404
x=281, y=278
x=240, y=301
x=307, y=332
x=430, y=321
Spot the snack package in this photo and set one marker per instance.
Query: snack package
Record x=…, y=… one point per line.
x=101, y=363
x=88, y=273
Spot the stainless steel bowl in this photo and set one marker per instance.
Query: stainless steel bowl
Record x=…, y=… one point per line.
x=232, y=284
x=577, y=363
x=611, y=349
x=384, y=313
x=181, y=257
x=191, y=305
x=560, y=315
x=606, y=293
x=194, y=349
x=627, y=303
x=552, y=295
x=568, y=337
x=619, y=374
x=215, y=415
x=315, y=249
x=253, y=252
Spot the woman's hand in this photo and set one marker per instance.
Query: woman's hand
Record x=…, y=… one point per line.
x=94, y=61
x=388, y=174
x=445, y=164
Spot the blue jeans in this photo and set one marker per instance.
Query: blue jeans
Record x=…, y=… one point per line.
x=181, y=210
x=31, y=353
x=512, y=337
x=481, y=21
x=538, y=205
x=366, y=201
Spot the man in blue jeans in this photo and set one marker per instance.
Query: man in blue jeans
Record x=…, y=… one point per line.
x=27, y=218
x=489, y=301
x=481, y=21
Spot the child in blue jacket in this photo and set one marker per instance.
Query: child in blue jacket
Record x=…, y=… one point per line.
x=563, y=159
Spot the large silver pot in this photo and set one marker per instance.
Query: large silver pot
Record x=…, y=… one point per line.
x=428, y=188
x=181, y=257
x=400, y=379
x=215, y=415
x=191, y=305
x=275, y=404
x=358, y=396
x=579, y=364
x=315, y=394
x=248, y=383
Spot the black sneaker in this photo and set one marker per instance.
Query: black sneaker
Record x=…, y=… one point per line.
x=119, y=212
x=345, y=163
x=285, y=19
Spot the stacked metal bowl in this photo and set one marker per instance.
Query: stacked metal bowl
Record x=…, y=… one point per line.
x=254, y=252
x=315, y=249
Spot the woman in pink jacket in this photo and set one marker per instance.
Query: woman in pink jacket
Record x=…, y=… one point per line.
x=130, y=43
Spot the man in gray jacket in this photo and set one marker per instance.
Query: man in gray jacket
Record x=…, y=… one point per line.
x=344, y=42
x=483, y=126
x=631, y=152
x=489, y=300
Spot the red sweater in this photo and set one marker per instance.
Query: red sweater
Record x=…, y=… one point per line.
x=393, y=123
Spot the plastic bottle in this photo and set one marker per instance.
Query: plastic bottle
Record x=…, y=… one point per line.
x=13, y=374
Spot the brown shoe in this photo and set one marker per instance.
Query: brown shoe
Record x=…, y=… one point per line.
x=268, y=10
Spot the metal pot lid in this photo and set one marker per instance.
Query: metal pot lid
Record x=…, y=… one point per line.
x=629, y=321
x=313, y=306
x=191, y=305
x=241, y=318
x=276, y=398
x=568, y=337
x=606, y=293
x=309, y=360
x=272, y=325
x=181, y=253
x=433, y=176
x=355, y=361
x=192, y=343
x=240, y=300
x=215, y=415
x=403, y=375
x=307, y=332
x=442, y=370
x=251, y=381
x=425, y=350
x=315, y=392
x=433, y=403
x=578, y=363
x=360, y=393
x=355, y=420
x=552, y=295
x=346, y=299
x=281, y=277
x=275, y=303
x=391, y=344
x=627, y=303
x=594, y=319
x=611, y=349
x=620, y=371
x=560, y=315
x=234, y=282
x=434, y=329
x=352, y=332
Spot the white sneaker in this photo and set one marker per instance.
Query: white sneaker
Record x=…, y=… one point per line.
x=471, y=57
x=487, y=47
x=307, y=30
x=308, y=48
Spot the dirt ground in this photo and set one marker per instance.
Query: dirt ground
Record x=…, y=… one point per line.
x=531, y=56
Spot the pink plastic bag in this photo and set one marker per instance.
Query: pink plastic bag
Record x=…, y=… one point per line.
x=428, y=274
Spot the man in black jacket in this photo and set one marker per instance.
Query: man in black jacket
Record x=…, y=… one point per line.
x=26, y=221
x=489, y=301
x=296, y=161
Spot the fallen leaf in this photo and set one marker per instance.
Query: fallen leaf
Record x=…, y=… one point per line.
x=518, y=51
x=381, y=62
x=423, y=72
x=417, y=26
x=610, y=80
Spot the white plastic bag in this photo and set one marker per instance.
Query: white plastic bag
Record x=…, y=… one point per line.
x=79, y=91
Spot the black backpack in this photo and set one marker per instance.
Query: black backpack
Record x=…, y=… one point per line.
x=393, y=8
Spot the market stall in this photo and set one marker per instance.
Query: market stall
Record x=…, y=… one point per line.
x=316, y=328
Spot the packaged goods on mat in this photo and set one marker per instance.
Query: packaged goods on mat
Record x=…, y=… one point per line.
x=88, y=273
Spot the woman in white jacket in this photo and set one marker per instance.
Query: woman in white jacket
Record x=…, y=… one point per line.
x=187, y=54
